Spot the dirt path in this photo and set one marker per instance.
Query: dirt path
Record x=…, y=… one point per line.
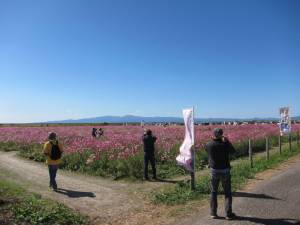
x=101, y=199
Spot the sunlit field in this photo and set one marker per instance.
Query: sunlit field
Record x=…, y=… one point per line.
x=118, y=151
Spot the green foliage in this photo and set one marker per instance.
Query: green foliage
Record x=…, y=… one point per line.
x=9, y=146
x=30, y=208
x=75, y=161
x=33, y=152
x=168, y=171
x=116, y=168
x=201, y=159
x=135, y=165
x=182, y=192
x=38, y=211
x=108, y=164
x=241, y=149
x=8, y=189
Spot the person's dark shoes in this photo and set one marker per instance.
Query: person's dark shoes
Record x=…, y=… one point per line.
x=214, y=216
x=146, y=178
x=154, y=178
x=54, y=187
x=231, y=216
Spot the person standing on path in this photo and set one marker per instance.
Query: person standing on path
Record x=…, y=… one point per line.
x=218, y=151
x=53, y=151
x=148, y=141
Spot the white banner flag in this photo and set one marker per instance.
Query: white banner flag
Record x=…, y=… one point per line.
x=285, y=121
x=185, y=157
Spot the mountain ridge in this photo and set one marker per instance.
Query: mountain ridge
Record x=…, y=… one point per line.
x=158, y=119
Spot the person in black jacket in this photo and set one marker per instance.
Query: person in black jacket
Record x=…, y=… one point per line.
x=148, y=141
x=94, y=131
x=218, y=151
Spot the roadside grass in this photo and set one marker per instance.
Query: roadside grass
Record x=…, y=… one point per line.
x=241, y=171
x=18, y=206
x=9, y=146
x=130, y=168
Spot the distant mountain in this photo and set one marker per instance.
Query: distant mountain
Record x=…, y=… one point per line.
x=123, y=119
x=296, y=118
x=157, y=119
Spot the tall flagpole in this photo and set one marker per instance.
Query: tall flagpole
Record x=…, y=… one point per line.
x=193, y=186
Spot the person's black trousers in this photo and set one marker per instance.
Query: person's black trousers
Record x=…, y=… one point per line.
x=149, y=157
x=52, y=175
x=225, y=179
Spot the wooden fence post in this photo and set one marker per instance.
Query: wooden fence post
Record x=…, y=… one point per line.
x=267, y=148
x=193, y=186
x=290, y=141
x=250, y=153
x=280, y=144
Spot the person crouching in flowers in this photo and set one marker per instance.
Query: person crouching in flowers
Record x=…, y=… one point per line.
x=148, y=141
x=53, y=149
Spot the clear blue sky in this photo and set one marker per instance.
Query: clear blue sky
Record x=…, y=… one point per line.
x=64, y=59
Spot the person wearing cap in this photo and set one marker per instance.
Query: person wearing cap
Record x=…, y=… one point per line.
x=218, y=151
x=148, y=141
x=53, y=150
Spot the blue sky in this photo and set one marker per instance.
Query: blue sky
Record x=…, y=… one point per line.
x=64, y=59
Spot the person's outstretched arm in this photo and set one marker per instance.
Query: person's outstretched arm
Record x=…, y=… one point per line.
x=154, y=138
x=229, y=145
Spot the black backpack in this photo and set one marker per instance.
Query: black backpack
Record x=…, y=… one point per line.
x=55, y=152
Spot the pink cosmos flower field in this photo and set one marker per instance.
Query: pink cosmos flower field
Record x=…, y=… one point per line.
x=126, y=140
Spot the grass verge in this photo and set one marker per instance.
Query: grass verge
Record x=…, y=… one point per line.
x=20, y=207
x=240, y=173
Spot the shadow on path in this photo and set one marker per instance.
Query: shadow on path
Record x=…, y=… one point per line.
x=278, y=221
x=166, y=181
x=253, y=195
x=75, y=194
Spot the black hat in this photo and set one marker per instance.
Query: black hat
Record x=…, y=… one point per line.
x=218, y=132
x=52, y=136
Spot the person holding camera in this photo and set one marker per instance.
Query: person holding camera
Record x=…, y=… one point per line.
x=53, y=150
x=218, y=151
x=148, y=141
